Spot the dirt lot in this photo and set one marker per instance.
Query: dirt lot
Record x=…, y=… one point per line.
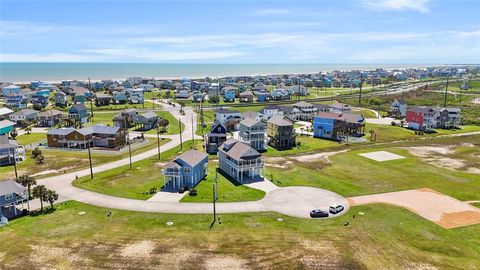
x=444, y=210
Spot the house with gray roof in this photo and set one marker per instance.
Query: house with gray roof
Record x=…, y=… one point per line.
x=240, y=161
x=281, y=132
x=23, y=115
x=10, y=151
x=146, y=121
x=187, y=170
x=93, y=136
x=254, y=133
x=13, y=200
x=49, y=118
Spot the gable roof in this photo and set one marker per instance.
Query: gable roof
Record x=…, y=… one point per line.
x=225, y=111
x=25, y=112
x=60, y=131
x=4, y=111
x=50, y=113
x=78, y=107
x=6, y=123
x=10, y=186
x=149, y=114
x=280, y=121
x=249, y=122
x=347, y=117
x=192, y=157
x=238, y=150
x=99, y=128
x=250, y=114
x=5, y=142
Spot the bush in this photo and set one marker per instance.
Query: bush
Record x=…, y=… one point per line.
x=193, y=192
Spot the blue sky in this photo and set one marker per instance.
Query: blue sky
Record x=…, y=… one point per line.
x=363, y=31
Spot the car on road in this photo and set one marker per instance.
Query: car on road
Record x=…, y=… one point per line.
x=336, y=208
x=318, y=213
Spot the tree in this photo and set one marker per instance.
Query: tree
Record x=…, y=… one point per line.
x=40, y=192
x=213, y=99
x=167, y=94
x=27, y=181
x=14, y=133
x=163, y=123
x=36, y=152
x=40, y=159
x=50, y=197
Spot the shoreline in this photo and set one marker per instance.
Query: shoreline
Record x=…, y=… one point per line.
x=227, y=74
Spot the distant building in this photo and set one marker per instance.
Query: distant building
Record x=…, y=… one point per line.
x=23, y=115
x=60, y=99
x=97, y=135
x=6, y=126
x=334, y=126
x=12, y=195
x=240, y=161
x=399, y=108
x=228, y=118
x=246, y=96
x=187, y=170
x=306, y=111
x=281, y=133
x=216, y=136
x=103, y=99
x=49, y=118
x=78, y=113
x=146, y=121
x=16, y=101
x=10, y=151
x=254, y=133
x=10, y=89
x=422, y=118
x=125, y=118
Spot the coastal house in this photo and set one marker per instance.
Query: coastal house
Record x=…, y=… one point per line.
x=135, y=95
x=49, y=118
x=246, y=96
x=16, y=101
x=79, y=98
x=228, y=118
x=449, y=118
x=254, y=133
x=13, y=199
x=281, y=133
x=5, y=113
x=422, y=118
x=10, y=151
x=60, y=99
x=182, y=94
x=146, y=120
x=334, y=126
x=103, y=99
x=214, y=138
x=119, y=97
x=39, y=100
x=262, y=95
x=240, y=161
x=10, y=89
x=280, y=94
x=93, y=136
x=6, y=126
x=229, y=95
x=398, y=108
x=187, y=170
x=125, y=118
x=78, y=113
x=198, y=96
x=271, y=111
x=24, y=115
x=306, y=111
x=257, y=116
x=339, y=108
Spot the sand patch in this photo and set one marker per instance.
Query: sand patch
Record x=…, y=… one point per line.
x=48, y=255
x=473, y=170
x=317, y=157
x=278, y=162
x=2, y=255
x=419, y=266
x=381, y=156
x=160, y=164
x=436, y=156
x=320, y=255
x=225, y=262
x=141, y=249
x=427, y=151
x=476, y=101
x=457, y=219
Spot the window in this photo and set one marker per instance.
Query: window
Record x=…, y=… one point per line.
x=8, y=196
x=187, y=170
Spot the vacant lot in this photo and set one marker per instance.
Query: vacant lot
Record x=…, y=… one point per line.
x=385, y=237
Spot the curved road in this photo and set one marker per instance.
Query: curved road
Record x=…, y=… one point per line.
x=292, y=201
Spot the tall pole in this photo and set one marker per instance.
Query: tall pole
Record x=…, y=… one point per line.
x=180, y=126
x=15, y=165
x=360, y=93
x=193, y=134
x=158, y=142
x=129, y=150
x=91, y=97
x=214, y=209
x=446, y=93
x=90, y=160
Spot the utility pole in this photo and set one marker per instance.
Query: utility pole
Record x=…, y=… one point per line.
x=446, y=93
x=360, y=93
x=214, y=209
x=91, y=97
x=129, y=150
x=158, y=142
x=180, y=126
x=15, y=165
x=193, y=135
x=90, y=160
x=202, y=120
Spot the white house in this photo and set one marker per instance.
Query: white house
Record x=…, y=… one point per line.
x=240, y=161
x=23, y=115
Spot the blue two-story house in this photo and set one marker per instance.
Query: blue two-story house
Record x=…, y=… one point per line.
x=229, y=96
x=10, y=89
x=39, y=100
x=216, y=136
x=12, y=196
x=262, y=95
x=187, y=170
x=79, y=113
x=16, y=101
x=335, y=126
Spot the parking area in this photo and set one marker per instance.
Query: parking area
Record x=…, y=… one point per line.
x=444, y=210
x=381, y=156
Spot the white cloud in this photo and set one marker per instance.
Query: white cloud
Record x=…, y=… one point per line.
x=417, y=5
x=152, y=55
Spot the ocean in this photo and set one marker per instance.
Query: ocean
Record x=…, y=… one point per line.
x=55, y=72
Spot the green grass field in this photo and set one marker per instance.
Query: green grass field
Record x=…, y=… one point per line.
x=229, y=190
x=351, y=175
x=31, y=138
x=386, y=237
x=132, y=183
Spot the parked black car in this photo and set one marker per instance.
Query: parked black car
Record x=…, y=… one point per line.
x=318, y=213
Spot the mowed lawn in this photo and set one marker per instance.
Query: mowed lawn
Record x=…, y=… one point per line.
x=27, y=139
x=385, y=237
x=351, y=175
x=61, y=161
x=173, y=124
x=228, y=189
x=132, y=183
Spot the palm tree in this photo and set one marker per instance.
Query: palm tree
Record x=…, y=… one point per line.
x=51, y=196
x=36, y=152
x=40, y=192
x=40, y=159
x=27, y=181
